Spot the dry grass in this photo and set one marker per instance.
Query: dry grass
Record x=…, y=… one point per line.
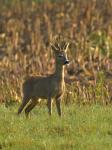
x=27, y=28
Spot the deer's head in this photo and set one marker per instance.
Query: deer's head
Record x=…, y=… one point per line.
x=60, y=47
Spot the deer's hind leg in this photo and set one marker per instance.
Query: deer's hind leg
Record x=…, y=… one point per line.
x=49, y=105
x=30, y=107
x=24, y=102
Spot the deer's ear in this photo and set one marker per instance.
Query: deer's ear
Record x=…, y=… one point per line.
x=66, y=47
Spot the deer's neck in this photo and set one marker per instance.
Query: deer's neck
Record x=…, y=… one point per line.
x=59, y=72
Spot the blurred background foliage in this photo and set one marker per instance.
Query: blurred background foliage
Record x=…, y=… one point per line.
x=28, y=26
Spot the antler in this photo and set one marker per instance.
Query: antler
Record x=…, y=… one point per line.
x=59, y=43
x=53, y=46
x=67, y=46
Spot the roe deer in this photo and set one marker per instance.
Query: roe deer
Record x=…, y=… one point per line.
x=50, y=86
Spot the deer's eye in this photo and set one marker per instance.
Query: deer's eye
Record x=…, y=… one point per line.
x=60, y=55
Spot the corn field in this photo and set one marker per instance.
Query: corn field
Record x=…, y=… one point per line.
x=26, y=30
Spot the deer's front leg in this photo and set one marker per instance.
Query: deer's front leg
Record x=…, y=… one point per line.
x=49, y=104
x=58, y=105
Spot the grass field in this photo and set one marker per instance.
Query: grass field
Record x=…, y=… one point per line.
x=80, y=128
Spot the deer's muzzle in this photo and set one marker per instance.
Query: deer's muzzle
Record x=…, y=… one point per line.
x=66, y=62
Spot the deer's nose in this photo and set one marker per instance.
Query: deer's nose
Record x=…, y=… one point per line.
x=66, y=62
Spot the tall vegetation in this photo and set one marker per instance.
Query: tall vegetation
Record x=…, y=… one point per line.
x=26, y=30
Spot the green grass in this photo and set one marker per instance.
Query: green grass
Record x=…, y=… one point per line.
x=80, y=128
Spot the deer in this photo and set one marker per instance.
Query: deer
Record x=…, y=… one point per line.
x=47, y=87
